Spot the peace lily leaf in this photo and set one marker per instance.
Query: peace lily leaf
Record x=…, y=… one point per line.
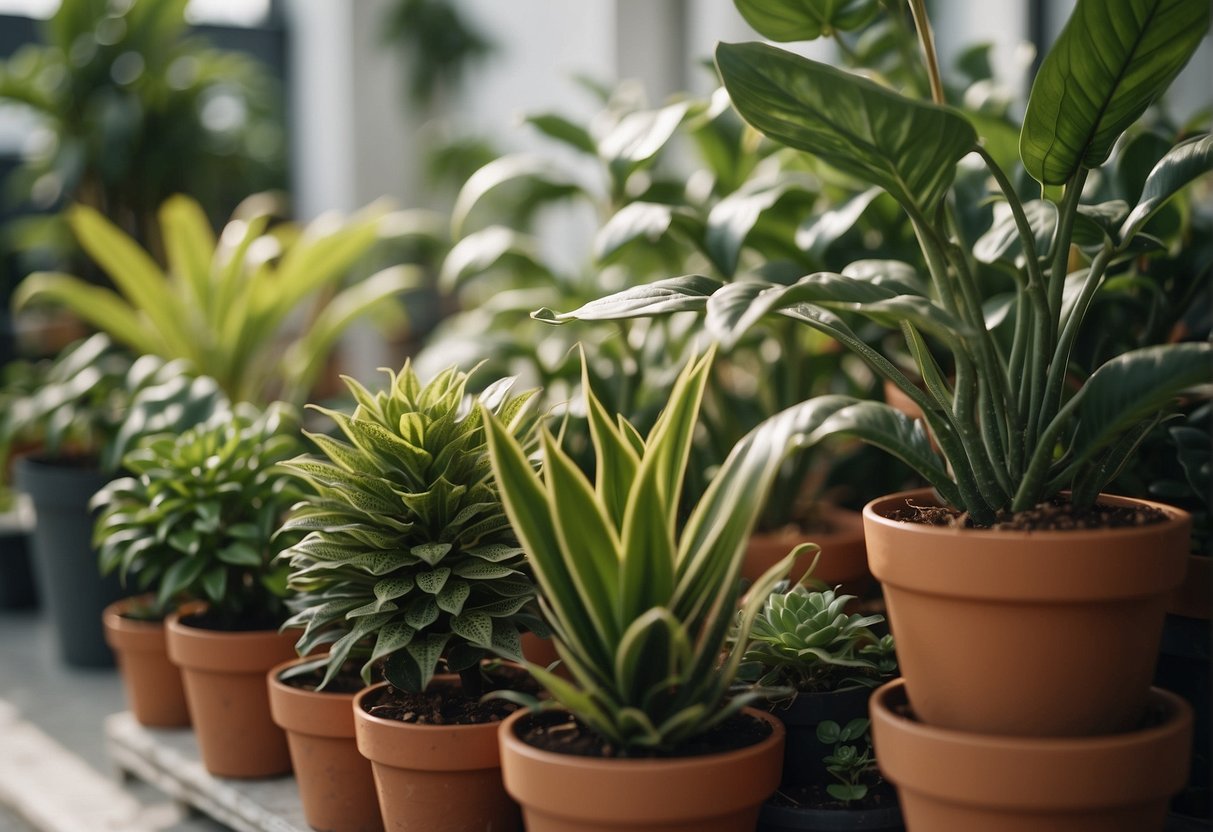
x=791, y=20
x=1107, y=66
x=534, y=174
x=1002, y=241
x=560, y=128
x=816, y=236
x=907, y=147
x=1184, y=163
x=637, y=221
x=482, y=250
x=1134, y=386
x=640, y=136
x=675, y=294
x=733, y=218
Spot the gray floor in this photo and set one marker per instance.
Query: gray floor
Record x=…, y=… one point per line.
x=67, y=704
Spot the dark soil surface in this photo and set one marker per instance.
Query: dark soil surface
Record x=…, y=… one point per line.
x=562, y=733
x=1053, y=515
x=210, y=621
x=815, y=796
x=445, y=703
x=347, y=680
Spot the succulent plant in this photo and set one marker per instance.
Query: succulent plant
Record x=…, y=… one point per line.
x=408, y=556
x=847, y=762
x=198, y=518
x=806, y=640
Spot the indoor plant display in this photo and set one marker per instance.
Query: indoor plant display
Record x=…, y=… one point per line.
x=806, y=642
x=410, y=567
x=1024, y=433
x=1000, y=422
x=76, y=418
x=198, y=520
x=641, y=614
x=225, y=307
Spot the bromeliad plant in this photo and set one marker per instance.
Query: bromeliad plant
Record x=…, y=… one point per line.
x=1011, y=428
x=225, y=307
x=805, y=640
x=407, y=556
x=641, y=611
x=199, y=515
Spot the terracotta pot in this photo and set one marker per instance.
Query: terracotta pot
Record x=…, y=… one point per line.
x=541, y=651
x=844, y=560
x=335, y=782
x=1026, y=633
x=711, y=793
x=953, y=781
x=152, y=683
x=224, y=675
x=434, y=778
x=1194, y=597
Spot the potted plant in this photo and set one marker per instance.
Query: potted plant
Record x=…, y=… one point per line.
x=804, y=642
x=646, y=734
x=198, y=520
x=73, y=417
x=409, y=569
x=226, y=307
x=1022, y=438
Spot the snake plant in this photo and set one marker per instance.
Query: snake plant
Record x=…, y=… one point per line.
x=1015, y=420
x=408, y=557
x=641, y=605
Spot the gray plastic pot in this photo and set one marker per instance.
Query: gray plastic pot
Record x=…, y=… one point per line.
x=65, y=563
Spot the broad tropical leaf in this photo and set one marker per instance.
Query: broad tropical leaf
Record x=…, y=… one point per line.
x=909, y=148
x=1109, y=63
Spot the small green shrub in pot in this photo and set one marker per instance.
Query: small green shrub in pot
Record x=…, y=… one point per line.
x=198, y=518
x=406, y=556
x=846, y=762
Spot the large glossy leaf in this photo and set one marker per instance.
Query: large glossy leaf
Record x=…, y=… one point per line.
x=662, y=297
x=1108, y=64
x=1135, y=386
x=1002, y=242
x=909, y=148
x=790, y=20
x=1184, y=163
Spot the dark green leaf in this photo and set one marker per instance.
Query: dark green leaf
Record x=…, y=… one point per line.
x=909, y=148
x=1109, y=63
x=1184, y=163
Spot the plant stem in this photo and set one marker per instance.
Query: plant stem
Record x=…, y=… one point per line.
x=1069, y=333
x=925, y=36
x=1061, y=246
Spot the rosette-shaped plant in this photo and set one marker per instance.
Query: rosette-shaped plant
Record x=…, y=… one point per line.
x=408, y=555
x=806, y=640
x=199, y=515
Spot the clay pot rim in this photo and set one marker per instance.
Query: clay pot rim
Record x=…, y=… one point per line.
x=277, y=670
x=363, y=714
x=1174, y=515
x=173, y=623
x=607, y=767
x=1174, y=723
x=113, y=618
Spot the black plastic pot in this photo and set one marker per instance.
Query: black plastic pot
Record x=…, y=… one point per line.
x=792, y=819
x=16, y=572
x=802, y=755
x=71, y=588
x=1183, y=668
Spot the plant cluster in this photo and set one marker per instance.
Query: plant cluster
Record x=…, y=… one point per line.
x=199, y=516
x=850, y=760
x=406, y=555
x=1009, y=429
x=94, y=402
x=225, y=307
x=806, y=640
